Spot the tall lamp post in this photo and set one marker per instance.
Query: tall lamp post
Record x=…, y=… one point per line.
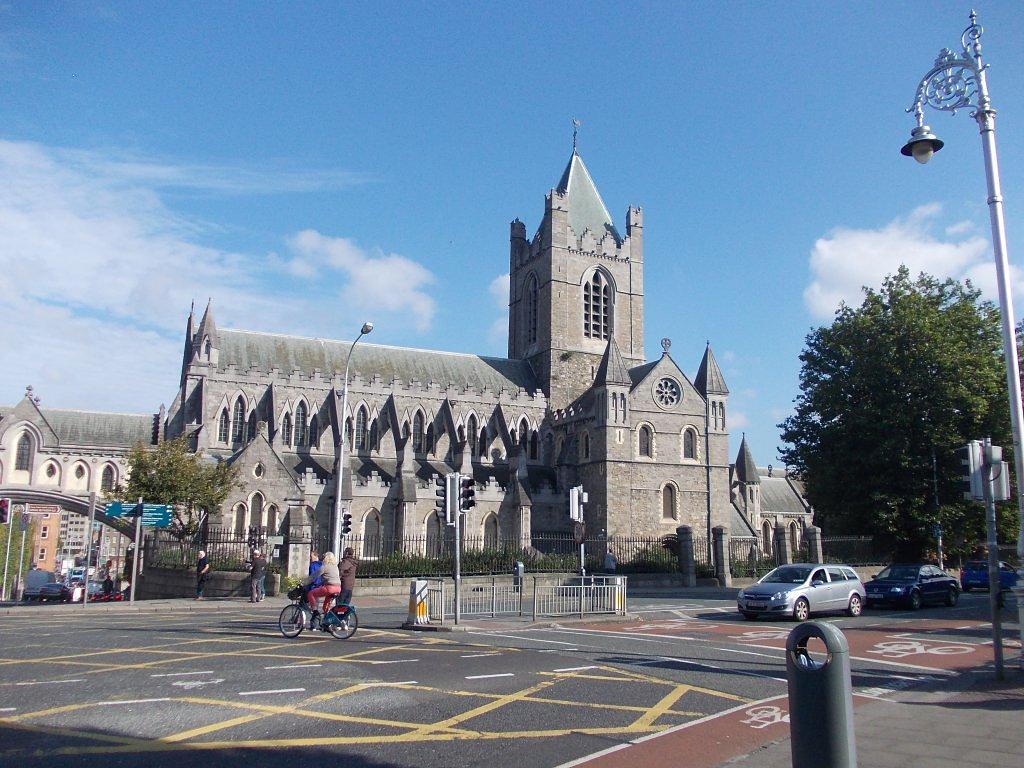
x=336, y=537
x=957, y=81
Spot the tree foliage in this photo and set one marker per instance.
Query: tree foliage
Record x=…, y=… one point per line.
x=915, y=371
x=172, y=474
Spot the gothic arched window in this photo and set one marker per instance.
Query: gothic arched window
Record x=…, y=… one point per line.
x=714, y=414
x=314, y=432
x=531, y=310
x=417, y=432
x=646, y=449
x=471, y=435
x=256, y=507
x=371, y=534
x=301, y=425
x=238, y=421
x=766, y=537
x=534, y=445
x=524, y=432
x=483, y=443
x=223, y=429
x=107, y=479
x=668, y=502
x=286, y=430
x=586, y=445
x=240, y=521
x=689, y=444
x=374, y=436
x=597, y=304
x=491, y=532
x=23, y=457
x=721, y=415
x=360, y=437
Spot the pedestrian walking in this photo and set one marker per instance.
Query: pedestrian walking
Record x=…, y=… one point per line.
x=347, y=571
x=202, y=574
x=610, y=561
x=257, y=573
x=330, y=585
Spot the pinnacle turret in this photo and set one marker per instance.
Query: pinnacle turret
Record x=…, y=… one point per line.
x=709, y=379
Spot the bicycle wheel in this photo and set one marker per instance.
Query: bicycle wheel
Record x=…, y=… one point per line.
x=347, y=627
x=292, y=620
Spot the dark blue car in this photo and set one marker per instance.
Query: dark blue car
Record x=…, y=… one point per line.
x=912, y=585
x=974, y=575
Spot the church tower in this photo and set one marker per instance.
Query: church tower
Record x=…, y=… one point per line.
x=574, y=286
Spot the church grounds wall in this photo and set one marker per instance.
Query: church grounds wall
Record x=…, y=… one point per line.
x=162, y=583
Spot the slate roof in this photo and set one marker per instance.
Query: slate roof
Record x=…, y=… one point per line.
x=746, y=470
x=738, y=525
x=121, y=430
x=586, y=208
x=264, y=351
x=612, y=370
x=639, y=373
x=709, y=377
x=781, y=495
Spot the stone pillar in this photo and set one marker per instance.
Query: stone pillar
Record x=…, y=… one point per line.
x=523, y=532
x=299, y=543
x=687, y=562
x=813, y=534
x=723, y=572
x=783, y=550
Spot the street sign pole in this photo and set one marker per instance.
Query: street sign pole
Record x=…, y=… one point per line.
x=454, y=490
x=21, y=560
x=135, y=555
x=7, y=557
x=88, y=546
x=993, y=556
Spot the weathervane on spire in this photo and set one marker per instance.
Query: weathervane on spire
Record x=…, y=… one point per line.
x=576, y=123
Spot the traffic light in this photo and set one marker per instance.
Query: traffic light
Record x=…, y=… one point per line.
x=441, y=492
x=970, y=480
x=467, y=493
x=5, y=511
x=346, y=524
x=577, y=498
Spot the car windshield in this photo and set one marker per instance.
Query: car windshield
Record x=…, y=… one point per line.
x=899, y=572
x=788, y=574
x=975, y=565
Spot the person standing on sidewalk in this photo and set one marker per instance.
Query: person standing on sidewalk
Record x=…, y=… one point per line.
x=257, y=573
x=202, y=574
x=347, y=571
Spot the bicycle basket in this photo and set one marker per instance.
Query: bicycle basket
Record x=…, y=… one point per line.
x=296, y=593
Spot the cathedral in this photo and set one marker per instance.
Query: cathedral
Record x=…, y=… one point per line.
x=575, y=402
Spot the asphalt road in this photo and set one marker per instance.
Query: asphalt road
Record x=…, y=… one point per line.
x=127, y=689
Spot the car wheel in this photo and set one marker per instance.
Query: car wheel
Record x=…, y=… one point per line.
x=801, y=610
x=748, y=615
x=952, y=597
x=855, y=607
x=915, y=600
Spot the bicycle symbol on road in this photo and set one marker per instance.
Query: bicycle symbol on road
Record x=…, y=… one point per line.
x=762, y=634
x=898, y=649
x=764, y=716
x=672, y=624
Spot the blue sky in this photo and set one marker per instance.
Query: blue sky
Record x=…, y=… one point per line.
x=312, y=165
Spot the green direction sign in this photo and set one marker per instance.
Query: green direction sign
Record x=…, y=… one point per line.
x=153, y=515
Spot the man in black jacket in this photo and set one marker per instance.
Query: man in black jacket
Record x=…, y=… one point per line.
x=258, y=572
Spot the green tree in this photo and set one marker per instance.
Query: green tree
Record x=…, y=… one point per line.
x=172, y=474
x=13, y=531
x=915, y=371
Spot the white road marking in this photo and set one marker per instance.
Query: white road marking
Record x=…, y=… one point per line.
x=484, y=677
x=279, y=690
x=394, y=661
x=295, y=666
x=556, y=650
x=574, y=669
x=517, y=637
x=753, y=653
x=401, y=682
x=180, y=674
x=47, y=682
x=127, y=701
x=8, y=709
x=480, y=655
x=190, y=684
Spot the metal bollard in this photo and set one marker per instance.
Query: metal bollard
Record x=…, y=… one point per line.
x=820, y=699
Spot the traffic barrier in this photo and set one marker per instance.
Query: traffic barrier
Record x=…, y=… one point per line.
x=417, y=602
x=820, y=699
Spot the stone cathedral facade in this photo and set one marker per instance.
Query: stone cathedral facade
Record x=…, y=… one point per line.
x=574, y=402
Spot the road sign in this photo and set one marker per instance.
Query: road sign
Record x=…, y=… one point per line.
x=579, y=531
x=275, y=541
x=42, y=509
x=153, y=515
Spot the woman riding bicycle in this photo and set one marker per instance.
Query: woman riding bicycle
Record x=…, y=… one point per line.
x=330, y=583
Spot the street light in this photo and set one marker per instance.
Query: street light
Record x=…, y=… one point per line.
x=336, y=535
x=957, y=81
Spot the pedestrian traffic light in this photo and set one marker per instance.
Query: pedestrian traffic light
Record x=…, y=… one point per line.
x=441, y=492
x=5, y=511
x=467, y=493
x=970, y=479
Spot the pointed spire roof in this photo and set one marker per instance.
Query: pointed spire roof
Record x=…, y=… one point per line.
x=709, y=380
x=746, y=470
x=586, y=208
x=208, y=326
x=612, y=369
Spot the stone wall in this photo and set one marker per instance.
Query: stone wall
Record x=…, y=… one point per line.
x=156, y=583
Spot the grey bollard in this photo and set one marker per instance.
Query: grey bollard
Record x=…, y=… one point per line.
x=820, y=699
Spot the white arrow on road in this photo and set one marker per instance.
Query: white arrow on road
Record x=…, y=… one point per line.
x=188, y=684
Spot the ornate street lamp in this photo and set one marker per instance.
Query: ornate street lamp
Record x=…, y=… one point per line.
x=957, y=81
x=336, y=534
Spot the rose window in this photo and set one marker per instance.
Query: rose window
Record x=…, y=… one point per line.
x=667, y=393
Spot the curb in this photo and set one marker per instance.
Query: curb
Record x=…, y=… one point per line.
x=481, y=624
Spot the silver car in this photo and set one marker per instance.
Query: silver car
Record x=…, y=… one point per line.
x=801, y=589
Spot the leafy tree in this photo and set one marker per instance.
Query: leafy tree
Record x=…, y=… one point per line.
x=915, y=371
x=172, y=474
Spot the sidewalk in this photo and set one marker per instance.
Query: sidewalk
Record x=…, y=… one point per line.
x=980, y=722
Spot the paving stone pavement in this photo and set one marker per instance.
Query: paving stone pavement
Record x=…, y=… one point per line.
x=973, y=721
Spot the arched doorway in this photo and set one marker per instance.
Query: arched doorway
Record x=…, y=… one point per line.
x=766, y=537
x=491, y=532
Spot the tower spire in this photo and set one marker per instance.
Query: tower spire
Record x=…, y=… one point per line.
x=576, y=123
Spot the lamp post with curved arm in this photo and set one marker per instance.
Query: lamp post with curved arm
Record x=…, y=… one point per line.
x=336, y=534
x=957, y=81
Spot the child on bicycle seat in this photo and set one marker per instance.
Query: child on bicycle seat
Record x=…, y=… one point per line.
x=330, y=582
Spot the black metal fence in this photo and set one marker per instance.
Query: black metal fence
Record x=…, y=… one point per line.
x=226, y=549
x=854, y=550
x=748, y=560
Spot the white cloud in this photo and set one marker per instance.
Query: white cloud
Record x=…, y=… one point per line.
x=97, y=273
x=499, y=290
x=738, y=420
x=847, y=259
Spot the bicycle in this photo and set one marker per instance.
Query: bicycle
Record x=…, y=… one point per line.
x=341, y=621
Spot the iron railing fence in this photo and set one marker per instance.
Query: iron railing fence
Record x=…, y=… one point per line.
x=575, y=596
x=748, y=560
x=854, y=550
x=226, y=548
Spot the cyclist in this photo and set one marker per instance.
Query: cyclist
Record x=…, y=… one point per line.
x=330, y=584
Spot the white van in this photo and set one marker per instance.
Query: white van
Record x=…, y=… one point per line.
x=34, y=580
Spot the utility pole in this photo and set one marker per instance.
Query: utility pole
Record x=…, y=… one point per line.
x=452, y=487
x=938, y=525
x=989, y=459
x=21, y=559
x=88, y=546
x=135, y=554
